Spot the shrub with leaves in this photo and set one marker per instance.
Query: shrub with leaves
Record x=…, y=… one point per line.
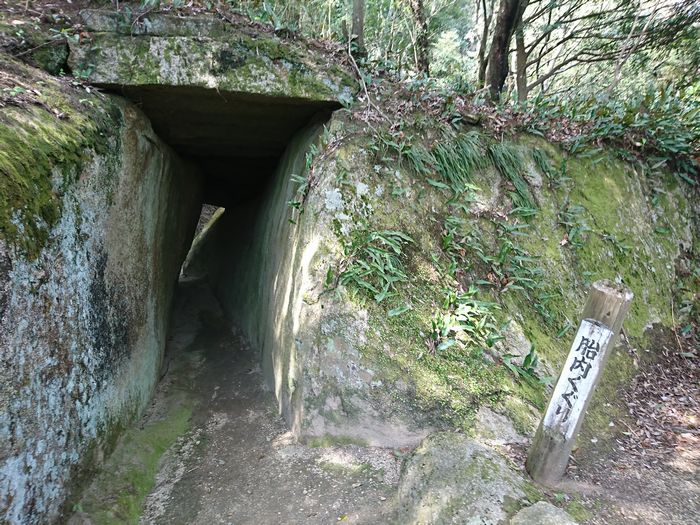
x=662, y=123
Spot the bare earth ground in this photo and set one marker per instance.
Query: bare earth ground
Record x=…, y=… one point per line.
x=634, y=493
x=240, y=464
x=653, y=475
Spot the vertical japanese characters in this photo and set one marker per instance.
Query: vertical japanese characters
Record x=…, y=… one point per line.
x=577, y=378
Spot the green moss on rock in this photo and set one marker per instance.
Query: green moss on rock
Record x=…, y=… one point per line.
x=46, y=135
x=616, y=237
x=577, y=511
x=119, y=492
x=205, y=53
x=329, y=440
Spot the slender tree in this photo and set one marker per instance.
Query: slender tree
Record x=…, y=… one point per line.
x=510, y=14
x=487, y=15
x=423, y=38
x=358, y=26
x=520, y=64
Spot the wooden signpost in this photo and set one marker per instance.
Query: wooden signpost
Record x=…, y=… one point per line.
x=605, y=309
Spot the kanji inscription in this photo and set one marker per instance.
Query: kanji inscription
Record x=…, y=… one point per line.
x=577, y=378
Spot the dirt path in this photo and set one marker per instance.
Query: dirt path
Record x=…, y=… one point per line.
x=652, y=494
x=238, y=463
x=220, y=454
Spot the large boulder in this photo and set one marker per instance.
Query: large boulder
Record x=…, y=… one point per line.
x=452, y=479
x=96, y=215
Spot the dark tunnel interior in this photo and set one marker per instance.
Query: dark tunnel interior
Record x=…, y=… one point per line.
x=235, y=139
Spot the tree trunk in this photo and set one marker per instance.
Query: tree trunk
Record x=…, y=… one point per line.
x=358, y=26
x=509, y=15
x=389, y=51
x=483, y=58
x=422, y=40
x=520, y=64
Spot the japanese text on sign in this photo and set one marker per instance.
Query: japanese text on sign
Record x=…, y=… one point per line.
x=577, y=378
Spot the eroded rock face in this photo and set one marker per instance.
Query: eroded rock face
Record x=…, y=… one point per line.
x=451, y=479
x=495, y=429
x=83, y=317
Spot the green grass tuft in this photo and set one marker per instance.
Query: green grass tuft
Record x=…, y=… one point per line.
x=458, y=158
x=509, y=162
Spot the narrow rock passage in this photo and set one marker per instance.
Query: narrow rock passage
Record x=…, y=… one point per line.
x=238, y=463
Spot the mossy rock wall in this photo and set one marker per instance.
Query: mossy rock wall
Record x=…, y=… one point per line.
x=97, y=215
x=346, y=366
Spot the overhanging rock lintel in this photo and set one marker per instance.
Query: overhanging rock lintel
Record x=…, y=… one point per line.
x=205, y=52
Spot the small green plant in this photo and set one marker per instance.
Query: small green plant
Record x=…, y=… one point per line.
x=420, y=159
x=304, y=183
x=542, y=161
x=557, y=177
x=300, y=194
x=395, y=144
x=83, y=73
x=464, y=321
x=455, y=243
x=373, y=262
x=527, y=370
x=512, y=265
x=13, y=92
x=572, y=218
x=68, y=34
x=620, y=246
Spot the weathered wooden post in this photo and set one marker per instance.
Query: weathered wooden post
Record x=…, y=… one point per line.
x=605, y=309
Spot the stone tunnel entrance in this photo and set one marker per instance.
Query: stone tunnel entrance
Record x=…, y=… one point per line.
x=242, y=147
x=226, y=113
x=240, y=106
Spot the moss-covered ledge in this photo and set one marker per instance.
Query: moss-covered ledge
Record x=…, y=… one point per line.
x=47, y=132
x=204, y=52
